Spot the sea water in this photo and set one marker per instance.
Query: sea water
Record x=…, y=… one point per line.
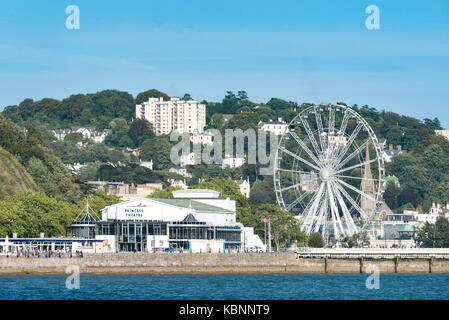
x=226, y=286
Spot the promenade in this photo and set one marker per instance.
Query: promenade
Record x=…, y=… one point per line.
x=178, y=263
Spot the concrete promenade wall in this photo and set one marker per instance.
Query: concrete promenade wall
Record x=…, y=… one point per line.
x=217, y=263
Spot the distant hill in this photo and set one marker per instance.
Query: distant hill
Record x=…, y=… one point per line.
x=13, y=176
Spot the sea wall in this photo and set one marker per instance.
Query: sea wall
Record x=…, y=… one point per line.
x=217, y=263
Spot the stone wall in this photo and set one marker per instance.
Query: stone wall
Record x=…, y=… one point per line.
x=217, y=263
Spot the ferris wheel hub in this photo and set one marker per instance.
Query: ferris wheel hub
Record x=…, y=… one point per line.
x=325, y=174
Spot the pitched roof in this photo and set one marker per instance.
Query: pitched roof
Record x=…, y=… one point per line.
x=196, y=191
x=195, y=205
x=87, y=218
x=189, y=218
x=274, y=122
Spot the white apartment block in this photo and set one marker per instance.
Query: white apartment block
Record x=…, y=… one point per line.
x=444, y=133
x=173, y=115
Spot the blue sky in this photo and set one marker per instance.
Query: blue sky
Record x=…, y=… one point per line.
x=305, y=51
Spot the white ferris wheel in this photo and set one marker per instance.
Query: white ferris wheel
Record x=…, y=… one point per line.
x=329, y=171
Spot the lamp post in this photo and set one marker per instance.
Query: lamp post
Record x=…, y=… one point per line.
x=269, y=232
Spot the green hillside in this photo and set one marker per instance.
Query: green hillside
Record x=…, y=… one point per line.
x=13, y=176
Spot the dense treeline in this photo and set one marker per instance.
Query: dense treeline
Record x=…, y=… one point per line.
x=29, y=214
x=95, y=110
x=47, y=170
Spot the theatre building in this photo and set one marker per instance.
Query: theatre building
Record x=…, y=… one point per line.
x=195, y=220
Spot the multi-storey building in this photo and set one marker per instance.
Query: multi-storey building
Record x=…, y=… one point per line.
x=173, y=115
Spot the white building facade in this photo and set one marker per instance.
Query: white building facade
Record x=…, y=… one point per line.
x=232, y=162
x=196, y=220
x=443, y=133
x=173, y=115
x=278, y=127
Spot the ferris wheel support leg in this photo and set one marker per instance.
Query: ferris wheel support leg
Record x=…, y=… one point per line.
x=340, y=231
x=311, y=211
x=350, y=222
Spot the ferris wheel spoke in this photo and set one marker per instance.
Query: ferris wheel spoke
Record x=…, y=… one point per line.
x=297, y=200
x=321, y=132
x=351, y=200
x=299, y=158
x=353, y=154
x=310, y=135
x=358, y=178
x=305, y=148
x=317, y=219
x=292, y=170
x=350, y=222
x=310, y=210
x=333, y=217
x=331, y=119
x=332, y=146
x=320, y=220
x=344, y=123
x=335, y=214
x=351, y=139
x=299, y=184
x=356, y=166
x=363, y=194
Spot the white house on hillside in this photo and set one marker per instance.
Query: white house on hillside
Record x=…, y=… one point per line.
x=232, y=162
x=278, y=127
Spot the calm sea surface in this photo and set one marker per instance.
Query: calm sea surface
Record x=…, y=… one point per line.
x=225, y=286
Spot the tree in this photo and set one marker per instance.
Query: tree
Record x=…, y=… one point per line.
x=262, y=191
x=440, y=193
x=116, y=156
x=97, y=201
x=279, y=104
x=152, y=93
x=394, y=135
x=74, y=137
x=360, y=239
x=434, y=235
x=166, y=193
x=408, y=196
x=140, y=130
x=187, y=96
x=157, y=149
x=284, y=226
x=89, y=171
x=242, y=95
x=407, y=206
x=391, y=195
x=230, y=95
x=28, y=214
x=316, y=240
x=415, y=178
x=433, y=124
x=119, y=136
